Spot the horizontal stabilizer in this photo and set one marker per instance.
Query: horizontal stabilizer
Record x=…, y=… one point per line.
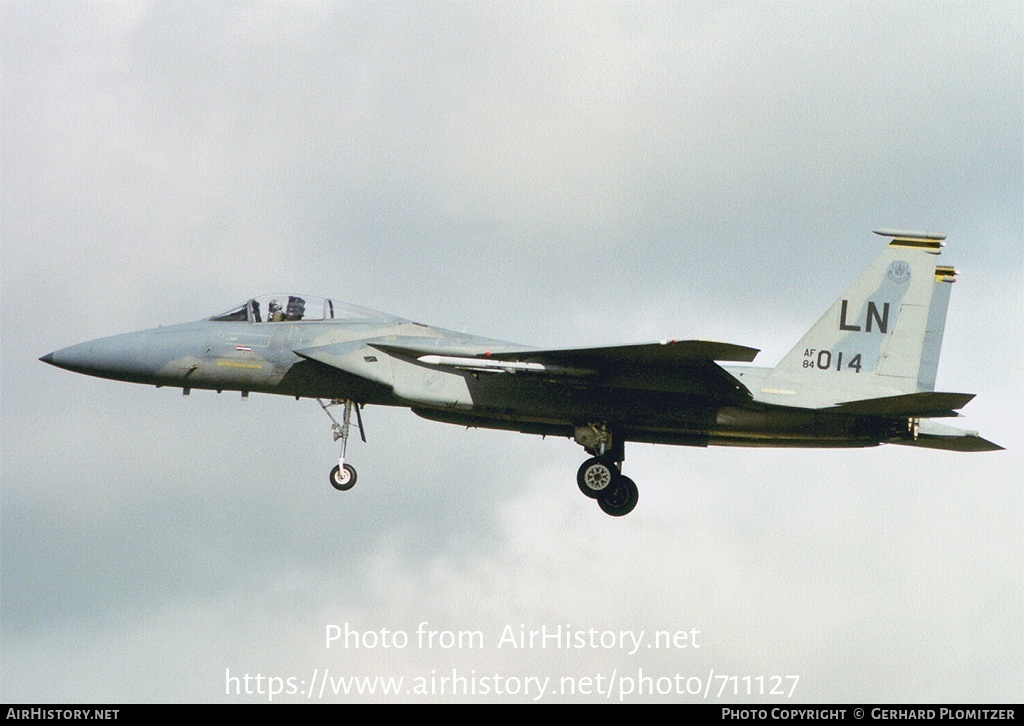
x=927, y=404
x=933, y=435
x=970, y=442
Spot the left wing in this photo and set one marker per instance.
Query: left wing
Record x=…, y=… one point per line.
x=685, y=366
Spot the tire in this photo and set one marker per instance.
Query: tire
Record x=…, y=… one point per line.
x=620, y=500
x=596, y=475
x=343, y=480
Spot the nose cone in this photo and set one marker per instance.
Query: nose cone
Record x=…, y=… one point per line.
x=121, y=357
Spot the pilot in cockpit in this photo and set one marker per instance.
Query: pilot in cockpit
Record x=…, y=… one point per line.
x=274, y=312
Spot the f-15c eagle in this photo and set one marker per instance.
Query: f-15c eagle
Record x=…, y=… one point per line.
x=863, y=375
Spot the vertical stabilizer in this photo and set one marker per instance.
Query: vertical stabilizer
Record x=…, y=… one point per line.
x=883, y=335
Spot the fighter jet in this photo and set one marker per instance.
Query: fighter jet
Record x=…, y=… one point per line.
x=863, y=375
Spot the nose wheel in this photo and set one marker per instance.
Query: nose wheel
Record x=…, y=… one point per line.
x=343, y=476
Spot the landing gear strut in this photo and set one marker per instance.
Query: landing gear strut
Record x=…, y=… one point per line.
x=343, y=476
x=600, y=477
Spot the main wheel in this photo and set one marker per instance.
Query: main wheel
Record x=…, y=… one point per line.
x=596, y=476
x=621, y=499
x=343, y=478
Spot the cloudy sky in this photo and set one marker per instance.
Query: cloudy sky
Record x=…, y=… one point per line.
x=555, y=174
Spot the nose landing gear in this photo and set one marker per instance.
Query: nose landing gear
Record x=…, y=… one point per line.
x=343, y=476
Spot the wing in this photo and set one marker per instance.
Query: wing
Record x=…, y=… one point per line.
x=685, y=366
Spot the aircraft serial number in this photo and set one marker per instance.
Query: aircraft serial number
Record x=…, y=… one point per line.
x=825, y=360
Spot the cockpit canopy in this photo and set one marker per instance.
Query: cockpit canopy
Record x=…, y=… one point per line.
x=279, y=309
x=291, y=308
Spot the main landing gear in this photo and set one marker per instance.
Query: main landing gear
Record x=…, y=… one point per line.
x=343, y=476
x=601, y=477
